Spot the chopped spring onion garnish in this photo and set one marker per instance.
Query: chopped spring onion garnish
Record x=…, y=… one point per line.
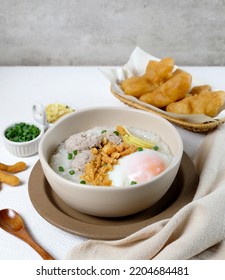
x=70, y=156
x=61, y=169
x=22, y=132
x=116, y=132
x=155, y=148
x=133, y=183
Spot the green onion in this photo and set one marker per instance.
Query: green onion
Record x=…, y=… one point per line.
x=83, y=182
x=133, y=183
x=116, y=132
x=61, y=169
x=70, y=156
x=103, y=131
x=155, y=148
x=72, y=172
x=22, y=132
x=75, y=152
x=140, y=149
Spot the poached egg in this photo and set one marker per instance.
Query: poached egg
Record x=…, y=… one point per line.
x=139, y=167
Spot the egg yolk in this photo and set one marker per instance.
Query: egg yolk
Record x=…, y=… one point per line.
x=145, y=167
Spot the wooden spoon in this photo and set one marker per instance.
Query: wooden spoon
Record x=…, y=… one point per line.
x=11, y=222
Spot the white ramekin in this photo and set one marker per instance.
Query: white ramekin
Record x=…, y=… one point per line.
x=23, y=149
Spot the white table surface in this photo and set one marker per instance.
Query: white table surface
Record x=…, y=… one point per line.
x=80, y=87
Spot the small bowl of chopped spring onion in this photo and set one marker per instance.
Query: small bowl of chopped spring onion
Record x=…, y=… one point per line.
x=22, y=138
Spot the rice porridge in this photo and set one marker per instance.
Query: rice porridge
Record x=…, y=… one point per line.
x=111, y=156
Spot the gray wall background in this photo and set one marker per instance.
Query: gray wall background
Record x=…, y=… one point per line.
x=104, y=32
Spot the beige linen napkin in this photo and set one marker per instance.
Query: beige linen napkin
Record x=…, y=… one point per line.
x=197, y=231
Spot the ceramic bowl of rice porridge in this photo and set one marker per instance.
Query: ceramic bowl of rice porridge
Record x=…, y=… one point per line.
x=111, y=162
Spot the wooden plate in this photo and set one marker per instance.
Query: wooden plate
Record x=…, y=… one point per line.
x=56, y=212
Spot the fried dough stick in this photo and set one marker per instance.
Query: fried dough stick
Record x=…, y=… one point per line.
x=9, y=179
x=17, y=167
x=172, y=90
x=208, y=103
x=136, y=86
x=200, y=89
x=156, y=73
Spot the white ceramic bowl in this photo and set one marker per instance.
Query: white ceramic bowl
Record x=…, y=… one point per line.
x=110, y=201
x=23, y=149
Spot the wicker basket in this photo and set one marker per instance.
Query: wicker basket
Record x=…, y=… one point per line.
x=195, y=127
